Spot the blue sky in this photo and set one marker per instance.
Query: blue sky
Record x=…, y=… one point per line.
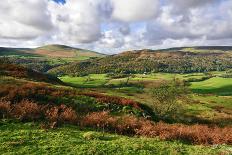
x=60, y=1
x=113, y=26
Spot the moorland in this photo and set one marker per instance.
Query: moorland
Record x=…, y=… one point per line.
x=57, y=99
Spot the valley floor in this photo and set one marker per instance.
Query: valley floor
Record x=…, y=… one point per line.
x=27, y=98
x=211, y=100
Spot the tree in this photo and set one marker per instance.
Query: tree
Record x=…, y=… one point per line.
x=165, y=99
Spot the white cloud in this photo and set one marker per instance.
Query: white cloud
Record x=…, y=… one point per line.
x=26, y=20
x=198, y=22
x=77, y=20
x=190, y=3
x=135, y=10
x=116, y=25
x=112, y=39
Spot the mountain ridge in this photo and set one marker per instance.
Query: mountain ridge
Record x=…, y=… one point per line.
x=49, y=51
x=183, y=60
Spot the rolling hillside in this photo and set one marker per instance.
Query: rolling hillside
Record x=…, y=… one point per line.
x=107, y=111
x=177, y=60
x=46, y=57
x=13, y=71
x=53, y=51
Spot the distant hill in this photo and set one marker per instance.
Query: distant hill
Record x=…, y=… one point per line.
x=175, y=60
x=53, y=51
x=200, y=49
x=46, y=57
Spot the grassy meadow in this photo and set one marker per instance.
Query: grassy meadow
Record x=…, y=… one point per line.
x=28, y=138
x=216, y=85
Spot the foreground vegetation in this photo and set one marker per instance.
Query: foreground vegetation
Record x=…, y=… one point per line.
x=29, y=138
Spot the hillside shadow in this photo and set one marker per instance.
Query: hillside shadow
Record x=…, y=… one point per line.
x=17, y=52
x=222, y=91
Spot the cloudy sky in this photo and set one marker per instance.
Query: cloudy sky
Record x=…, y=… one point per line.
x=111, y=26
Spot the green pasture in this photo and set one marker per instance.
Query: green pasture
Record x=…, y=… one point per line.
x=208, y=107
x=216, y=85
x=90, y=81
x=97, y=80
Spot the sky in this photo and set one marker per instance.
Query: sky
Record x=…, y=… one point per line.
x=113, y=26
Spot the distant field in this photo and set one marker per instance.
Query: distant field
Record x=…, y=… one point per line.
x=94, y=80
x=91, y=81
x=206, y=107
x=216, y=85
x=28, y=138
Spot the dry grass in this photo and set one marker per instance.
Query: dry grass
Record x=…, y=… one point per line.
x=26, y=110
x=128, y=125
x=5, y=108
x=60, y=53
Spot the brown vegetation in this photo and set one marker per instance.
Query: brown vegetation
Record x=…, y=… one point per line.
x=22, y=72
x=127, y=125
x=26, y=110
x=30, y=111
x=33, y=91
x=113, y=100
x=60, y=53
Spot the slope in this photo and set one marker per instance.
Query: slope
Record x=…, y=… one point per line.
x=46, y=57
x=53, y=51
x=181, y=60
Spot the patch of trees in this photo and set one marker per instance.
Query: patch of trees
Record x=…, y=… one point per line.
x=132, y=63
x=228, y=74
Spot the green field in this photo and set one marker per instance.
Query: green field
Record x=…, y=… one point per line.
x=28, y=138
x=216, y=85
x=96, y=80
x=205, y=107
x=91, y=81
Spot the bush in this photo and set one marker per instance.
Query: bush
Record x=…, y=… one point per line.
x=195, y=134
x=26, y=110
x=166, y=106
x=30, y=111
x=61, y=114
x=127, y=125
x=130, y=125
x=5, y=108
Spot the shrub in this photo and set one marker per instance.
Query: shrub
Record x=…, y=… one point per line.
x=26, y=110
x=52, y=114
x=5, y=108
x=195, y=134
x=68, y=115
x=113, y=100
x=165, y=104
x=130, y=125
x=61, y=114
